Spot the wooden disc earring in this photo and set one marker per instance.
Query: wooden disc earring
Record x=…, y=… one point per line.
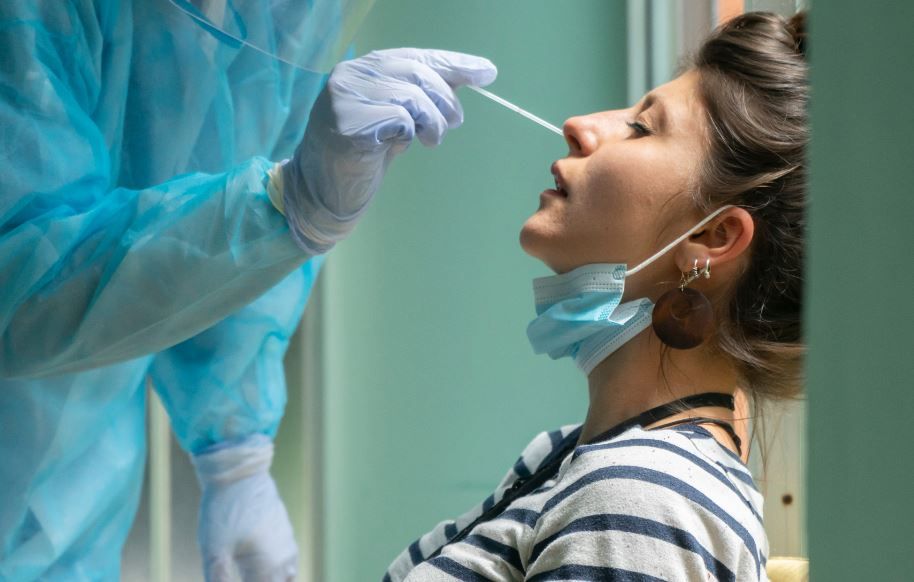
x=683, y=317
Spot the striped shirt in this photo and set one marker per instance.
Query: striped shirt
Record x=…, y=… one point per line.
x=668, y=504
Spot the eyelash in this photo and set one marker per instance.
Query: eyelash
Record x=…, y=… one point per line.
x=641, y=129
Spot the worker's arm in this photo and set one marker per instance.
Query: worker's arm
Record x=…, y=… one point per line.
x=93, y=275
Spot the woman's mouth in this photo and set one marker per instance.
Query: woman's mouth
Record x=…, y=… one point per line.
x=561, y=188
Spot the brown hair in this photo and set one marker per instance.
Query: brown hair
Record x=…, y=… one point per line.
x=753, y=81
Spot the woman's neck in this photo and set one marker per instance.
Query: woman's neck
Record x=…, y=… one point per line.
x=638, y=376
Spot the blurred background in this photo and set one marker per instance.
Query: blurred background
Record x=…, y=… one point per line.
x=412, y=387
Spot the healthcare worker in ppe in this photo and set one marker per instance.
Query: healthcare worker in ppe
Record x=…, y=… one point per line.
x=148, y=228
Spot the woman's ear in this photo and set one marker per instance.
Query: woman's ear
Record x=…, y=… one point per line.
x=723, y=240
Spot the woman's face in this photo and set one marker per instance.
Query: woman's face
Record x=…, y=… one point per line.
x=623, y=186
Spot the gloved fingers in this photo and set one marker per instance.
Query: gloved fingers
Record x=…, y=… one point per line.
x=261, y=570
x=409, y=112
x=455, y=68
x=381, y=123
x=418, y=73
x=219, y=568
x=430, y=123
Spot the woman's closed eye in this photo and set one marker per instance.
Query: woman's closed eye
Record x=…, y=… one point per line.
x=639, y=128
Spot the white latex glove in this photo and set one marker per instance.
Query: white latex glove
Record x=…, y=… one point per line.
x=370, y=110
x=244, y=531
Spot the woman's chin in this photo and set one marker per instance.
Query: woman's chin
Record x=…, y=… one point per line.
x=547, y=245
x=536, y=243
x=530, y=239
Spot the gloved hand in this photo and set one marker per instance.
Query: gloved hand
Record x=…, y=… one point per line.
x=369, y=112
x=244, y=530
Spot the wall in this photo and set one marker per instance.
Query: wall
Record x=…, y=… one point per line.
x=861, y=402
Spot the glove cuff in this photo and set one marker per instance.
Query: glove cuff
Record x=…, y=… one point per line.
x=319, y=220
x=232, y=461
x=274, y=186
x=313, y=226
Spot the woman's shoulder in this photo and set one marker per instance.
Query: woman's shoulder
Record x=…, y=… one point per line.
x=665, y=486
x=542, y=447
x=684, y=461
x=688, y=452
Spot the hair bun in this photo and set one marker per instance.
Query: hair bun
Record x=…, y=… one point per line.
x=796, y=27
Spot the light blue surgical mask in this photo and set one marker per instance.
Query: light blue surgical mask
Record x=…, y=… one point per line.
x=580, y=314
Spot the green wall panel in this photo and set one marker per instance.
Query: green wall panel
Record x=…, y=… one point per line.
x=860, y=313
x=431, y=388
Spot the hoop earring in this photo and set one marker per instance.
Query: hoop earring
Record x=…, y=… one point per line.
x=683, y=318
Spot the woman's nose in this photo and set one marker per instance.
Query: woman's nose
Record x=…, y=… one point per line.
x=581, y=135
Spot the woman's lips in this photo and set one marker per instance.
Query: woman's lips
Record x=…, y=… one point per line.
x=561, y=188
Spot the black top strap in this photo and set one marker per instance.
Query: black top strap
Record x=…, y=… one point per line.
x=703, y=420
x=667, y=410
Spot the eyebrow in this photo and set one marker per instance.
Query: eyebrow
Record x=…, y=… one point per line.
x=652, y=99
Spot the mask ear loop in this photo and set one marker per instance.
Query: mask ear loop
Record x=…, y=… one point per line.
x=668, y=247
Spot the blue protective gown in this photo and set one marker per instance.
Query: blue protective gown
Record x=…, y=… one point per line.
x=134, y=147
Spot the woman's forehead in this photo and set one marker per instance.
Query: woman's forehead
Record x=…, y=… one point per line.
x=680, y=103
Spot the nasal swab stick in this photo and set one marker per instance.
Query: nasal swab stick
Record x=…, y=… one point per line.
x=517, y=109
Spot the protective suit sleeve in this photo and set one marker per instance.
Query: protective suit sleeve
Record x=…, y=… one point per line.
x=225, y=392
x=93, y=275
x=227, y=382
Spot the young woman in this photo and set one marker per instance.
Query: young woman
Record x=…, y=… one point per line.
x=702, y=184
